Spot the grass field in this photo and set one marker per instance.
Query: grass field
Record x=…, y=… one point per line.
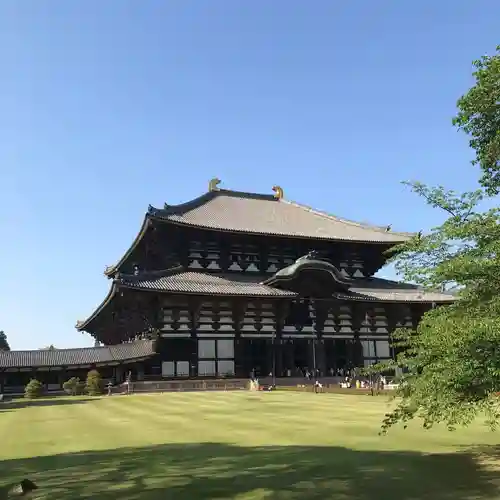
x=239, y=445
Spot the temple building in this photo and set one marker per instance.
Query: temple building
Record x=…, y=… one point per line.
x=233, y=283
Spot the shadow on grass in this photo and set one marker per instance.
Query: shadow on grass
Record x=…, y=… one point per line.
x=51, y=401
x=219, y=471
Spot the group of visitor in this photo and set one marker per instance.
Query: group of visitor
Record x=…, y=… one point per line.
x=377, y=383
x=333, y=372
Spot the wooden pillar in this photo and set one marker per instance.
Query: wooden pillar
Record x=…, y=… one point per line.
x=224, y=253
x=119, y=374
x=320, y=356
x=270, y=361
x=278, y=353
x=287, y=349
x=281, y=311
x=140, y=371
x=2, y=381
x=263, y=259
x=194, y=306
x=321, y=315
x=311, y=364
x=356, y=354
x=61, y=378
x=395, y=318
x=238, y=314
x=417, y=312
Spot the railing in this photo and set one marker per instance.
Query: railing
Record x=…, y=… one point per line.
x=186, y=385
x=13, y=389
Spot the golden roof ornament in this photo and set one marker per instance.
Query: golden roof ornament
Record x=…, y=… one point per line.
x=213, y=184
x=278, y=192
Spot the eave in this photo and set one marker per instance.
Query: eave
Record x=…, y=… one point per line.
x=110, y=271
x=165, y=215
x=82, y=325
x=391, y=298
x=171, y=215
x=277, y=235
x=178, y=281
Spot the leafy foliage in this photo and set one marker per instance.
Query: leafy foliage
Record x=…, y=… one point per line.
x=479, y=117
x=4, y=345
x=451, y=363
x=33, y=389
x=460, y=252
x=74, y=386
x=93, y=385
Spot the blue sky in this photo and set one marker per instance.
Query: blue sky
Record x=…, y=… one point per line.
x=106, y=107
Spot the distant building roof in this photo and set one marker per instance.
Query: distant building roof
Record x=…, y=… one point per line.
x=74, y=357
x=265, y=214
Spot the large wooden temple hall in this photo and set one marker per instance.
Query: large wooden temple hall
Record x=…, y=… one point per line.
x=232, y=283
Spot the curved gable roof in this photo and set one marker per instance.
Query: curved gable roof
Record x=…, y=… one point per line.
x=288, y=278
x=262, y=214
x=252, y=213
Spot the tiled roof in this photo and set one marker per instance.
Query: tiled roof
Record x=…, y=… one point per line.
x=265, y=214
x=394, y=291
x=72, y=357
x=204, y=283
x=200, y=283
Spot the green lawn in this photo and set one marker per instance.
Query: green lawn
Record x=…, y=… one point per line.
x=239, y=445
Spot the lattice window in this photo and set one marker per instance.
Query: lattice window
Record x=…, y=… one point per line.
x=375, y=351
x=206, y=349
x=207, y=368
x=215, y=357
x=383, y=349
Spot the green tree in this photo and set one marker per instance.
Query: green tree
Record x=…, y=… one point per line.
x=73, y=386
x=4, y=345
x=451, y=363
x=33, y=389
x=93, y=385
x=479, y=116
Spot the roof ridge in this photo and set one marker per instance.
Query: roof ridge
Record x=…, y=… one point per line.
x=247, y=194
x=181, y=207
x=325, y=214
x=54, y=350
x=203, y=198
x=87, y=348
